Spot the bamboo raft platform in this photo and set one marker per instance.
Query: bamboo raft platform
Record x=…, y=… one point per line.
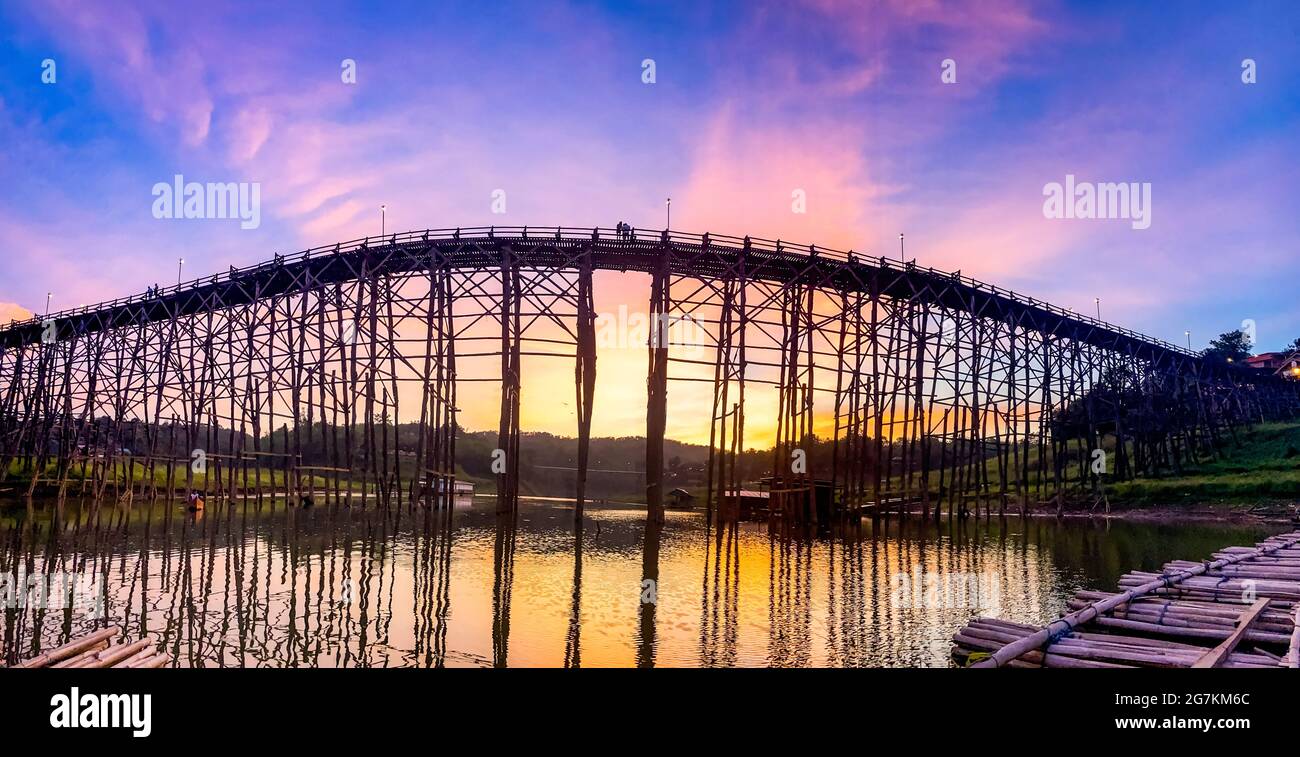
x=97, y=650
x=1240, y=609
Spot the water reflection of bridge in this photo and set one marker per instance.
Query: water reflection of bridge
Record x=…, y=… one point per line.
x=924, y=387
x=384, y=587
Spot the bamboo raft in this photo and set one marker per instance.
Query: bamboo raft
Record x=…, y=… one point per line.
x=1241, y=609
x=97, y=650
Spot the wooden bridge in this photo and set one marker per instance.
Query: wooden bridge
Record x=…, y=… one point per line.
x=922, y=384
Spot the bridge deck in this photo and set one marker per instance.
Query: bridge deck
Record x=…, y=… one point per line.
x=702, y=256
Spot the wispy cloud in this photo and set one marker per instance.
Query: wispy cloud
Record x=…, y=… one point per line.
x=841, y=101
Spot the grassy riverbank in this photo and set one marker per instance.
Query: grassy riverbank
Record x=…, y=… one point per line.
x=1264, y=469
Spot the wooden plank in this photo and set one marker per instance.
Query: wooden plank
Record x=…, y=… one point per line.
x=1215, y=657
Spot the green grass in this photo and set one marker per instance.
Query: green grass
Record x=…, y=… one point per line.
x=1264, y=468
x=49, y=476
x=19, y=479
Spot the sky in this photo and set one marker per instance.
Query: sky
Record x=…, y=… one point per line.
x=845, y=103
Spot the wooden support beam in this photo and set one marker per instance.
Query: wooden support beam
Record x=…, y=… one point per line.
x=657, y=393
x=508, y=430
x=584, y=380
x=1216, y=657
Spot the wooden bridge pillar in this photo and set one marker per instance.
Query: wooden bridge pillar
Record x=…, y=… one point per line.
x=508, y=429
x=584, y=379
x=727, y=429
x=657, y=393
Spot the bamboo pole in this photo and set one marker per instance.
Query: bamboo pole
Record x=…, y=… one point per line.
x=1111, y=649
x=143, y=654
x=72, y=648
x=116, y=655
x=157, y=661
x=79, y=660
x=1094, y=611
x=1178, y=616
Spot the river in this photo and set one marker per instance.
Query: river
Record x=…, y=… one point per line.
x=321, y=587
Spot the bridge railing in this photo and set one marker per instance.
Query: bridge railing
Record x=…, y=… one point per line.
x=633, y=235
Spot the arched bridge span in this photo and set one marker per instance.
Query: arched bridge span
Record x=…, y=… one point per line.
x=895, y=385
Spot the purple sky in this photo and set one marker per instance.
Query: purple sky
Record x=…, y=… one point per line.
x=751, y=102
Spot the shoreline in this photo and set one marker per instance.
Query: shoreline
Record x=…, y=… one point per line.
x=1275, y=513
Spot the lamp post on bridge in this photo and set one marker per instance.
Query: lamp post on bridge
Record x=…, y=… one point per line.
x=1098, y=301
x=48, y=295
x=180, y=263
x=1189, y=339
x=901, y=257
x=383, y=220
x=669, y=205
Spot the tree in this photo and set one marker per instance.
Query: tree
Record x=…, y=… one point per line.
x=1233, y=346
x=1292, y=347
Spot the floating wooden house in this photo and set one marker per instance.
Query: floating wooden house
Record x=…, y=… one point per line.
x=745, y=504
x=801, y=499
x=462, y=491
x=680, y=499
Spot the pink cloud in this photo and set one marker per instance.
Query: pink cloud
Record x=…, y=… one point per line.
x=12, y=311
x=744, y=178
x=248, y=132
x=71, y=259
